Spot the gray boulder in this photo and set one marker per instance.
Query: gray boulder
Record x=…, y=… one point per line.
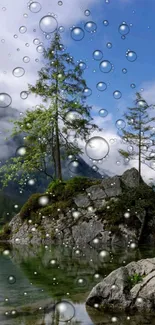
x=116, y=290
x=112, y=186
x=130, y=177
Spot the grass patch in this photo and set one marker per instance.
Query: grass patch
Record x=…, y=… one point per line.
x=135, y=279
x=5, y=232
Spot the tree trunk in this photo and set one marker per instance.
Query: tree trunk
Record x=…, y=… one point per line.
x=139, y=154
x=57, y=151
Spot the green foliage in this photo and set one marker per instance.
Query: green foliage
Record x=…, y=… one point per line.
x=139, y=133
x=5, y=232
x=137, y=200
x=56, y=208
x=46, y=129
x=32, y=205
x=134, y=279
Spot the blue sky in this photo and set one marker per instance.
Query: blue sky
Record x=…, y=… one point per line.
x=139, y=17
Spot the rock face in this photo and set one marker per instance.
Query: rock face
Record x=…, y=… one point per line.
x=81, y=224
x=117, y=291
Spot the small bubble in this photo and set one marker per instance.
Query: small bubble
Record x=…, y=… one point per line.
x=43, y=200
x=11, y=279
x=60, y=3
x=87, y=92
x=109, y=45
x=18, y=72
x=35, y=7
x=120, y=124
x=131, y=56
x=114, y=319
x=90, y=27
x=124, y=29
x=103, y=112
x=101, y=86
x=27, y=44
x=82, y=65
x=25, y=15
x=124, y=70
x=97, y=55
x=127, y=215
x=77, y=34
x=21, y=151
x=40, y=49
x=26, y=59
x=22, y=29
x=105, y=22
x=36, y=41
x=87, y=12
x=117, y=94
x=61, y=29
x=5, y=100
x=65, y=310
x=48, y=24
x=105, y=66
x=24, y=95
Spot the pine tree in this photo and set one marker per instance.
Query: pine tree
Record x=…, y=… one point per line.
x=47, y=129
x=139, y=134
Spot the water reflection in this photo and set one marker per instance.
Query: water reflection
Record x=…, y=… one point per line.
x=49, y=285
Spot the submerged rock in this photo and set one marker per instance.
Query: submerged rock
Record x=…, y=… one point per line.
x=131, y=287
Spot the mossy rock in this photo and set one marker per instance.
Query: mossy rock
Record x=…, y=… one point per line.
x=31, y=205
x=53, y=210
x=5, y=232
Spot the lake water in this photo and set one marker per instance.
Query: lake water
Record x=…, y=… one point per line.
x=47, y=285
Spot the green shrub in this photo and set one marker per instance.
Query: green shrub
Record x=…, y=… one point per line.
x=5, y=232
x=52, y=210
x=57, y=188
x=134, y=279
x=31, y=205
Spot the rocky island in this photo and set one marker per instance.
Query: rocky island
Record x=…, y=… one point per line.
x=80, y=211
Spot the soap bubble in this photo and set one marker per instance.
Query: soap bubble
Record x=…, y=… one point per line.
x=65, y=310
x=18, y=72
x=87, y=12
x=124, y=29
x=87, y=92
x=97, y=148
x=90, y=27
x=22, y=29
x=105, y=66
x=26, y=59
x=120, y=124
x=11, y=279
x=48, y=24
x=97, y=55
x=77, y=34
x=24, y=94
x=43, y=200
x=95, y=168
x=82, y=65
x=133, y=86
x=109, y=45
x=131, y=56
x=36, y=41
x=117, y=94
x=101, y=86
x=35, y=7
x=124, y=70
x=60, y=3
x=21, y=151
x=40, y=49
x=103, y=112
x=75, y=166
x=105, y=22
x=5, y=100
